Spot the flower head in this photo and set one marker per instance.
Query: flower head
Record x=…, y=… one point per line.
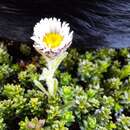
x=51, y=37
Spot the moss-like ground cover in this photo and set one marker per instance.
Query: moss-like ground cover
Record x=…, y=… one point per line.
x=93, y=91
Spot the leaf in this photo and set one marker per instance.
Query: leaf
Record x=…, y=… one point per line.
x=55, y=86
x=53, y=64
x=125, y=71
x=40, y=86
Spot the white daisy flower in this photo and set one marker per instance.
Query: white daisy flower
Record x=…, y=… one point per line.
x=51, y=37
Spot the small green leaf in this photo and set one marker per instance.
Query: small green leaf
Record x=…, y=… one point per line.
x=55, y=86
x=125, y=72
x=40, y=86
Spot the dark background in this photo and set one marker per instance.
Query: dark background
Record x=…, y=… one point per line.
x=96, y=23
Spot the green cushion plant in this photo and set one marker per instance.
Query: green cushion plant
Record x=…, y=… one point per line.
x=93, y=92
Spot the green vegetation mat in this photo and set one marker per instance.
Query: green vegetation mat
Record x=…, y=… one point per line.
x=93, y=91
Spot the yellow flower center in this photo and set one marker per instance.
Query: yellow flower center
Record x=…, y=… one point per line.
x=52, y=40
